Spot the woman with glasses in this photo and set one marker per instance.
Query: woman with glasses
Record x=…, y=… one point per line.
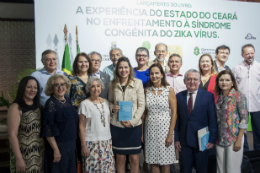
x=208, y=73
x=126, y=135
x=59, y=126
x=232, y=117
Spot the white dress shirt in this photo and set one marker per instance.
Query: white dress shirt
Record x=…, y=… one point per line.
x=193, y=97
x=248, y=81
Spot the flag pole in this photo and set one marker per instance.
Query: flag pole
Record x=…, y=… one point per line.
x=77, y=43
x=65, y=33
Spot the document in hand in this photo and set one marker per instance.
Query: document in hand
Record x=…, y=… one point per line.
x=203, y=138
x=125, y=111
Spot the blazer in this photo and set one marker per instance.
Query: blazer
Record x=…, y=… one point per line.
x=203, y=114
x=105, y=79
x=216, y=67
x=167, y=68
x=133, y=92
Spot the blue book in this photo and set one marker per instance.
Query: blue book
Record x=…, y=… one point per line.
x=203, y=138
x=125, y=111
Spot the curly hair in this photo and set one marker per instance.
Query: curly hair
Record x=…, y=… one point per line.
x=92, y=79
x=49, y=85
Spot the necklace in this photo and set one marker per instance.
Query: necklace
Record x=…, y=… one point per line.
x=61, y=101
x=102, y=113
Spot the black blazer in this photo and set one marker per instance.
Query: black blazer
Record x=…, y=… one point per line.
x=105, y=79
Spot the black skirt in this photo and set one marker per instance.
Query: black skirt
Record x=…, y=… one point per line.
x=126, y=141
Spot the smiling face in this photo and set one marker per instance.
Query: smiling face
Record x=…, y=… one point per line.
x=123, y=69
x=225, y=82
x=83, y=64
x=192, y=81
x=59, y=88
x=115, y=55
x=96, y=62
x=50, y=62
x=155, y=76
x=205, y=64
x=160, y=52
x=142, y=58
x=174, y=63
x=95, y=89
x=30, y=90
x=222, y=55
x=249, y=55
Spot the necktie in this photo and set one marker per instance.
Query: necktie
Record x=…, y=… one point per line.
x=190, y=101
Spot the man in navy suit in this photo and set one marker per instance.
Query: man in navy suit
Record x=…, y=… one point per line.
x=196, y=110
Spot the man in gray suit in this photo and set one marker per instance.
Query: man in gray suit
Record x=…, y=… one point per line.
x=96, y=59
x=222, y=53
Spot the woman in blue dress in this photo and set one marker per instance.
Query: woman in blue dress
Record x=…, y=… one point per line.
x=59, y=126
x=142, y=70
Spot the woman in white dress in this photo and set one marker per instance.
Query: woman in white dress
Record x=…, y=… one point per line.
x=94, y=127
x=160, y=118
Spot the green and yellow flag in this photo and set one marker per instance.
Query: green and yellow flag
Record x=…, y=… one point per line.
x=66, y=67
x=78, y=49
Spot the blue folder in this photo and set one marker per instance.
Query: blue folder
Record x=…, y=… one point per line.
x=125, y=111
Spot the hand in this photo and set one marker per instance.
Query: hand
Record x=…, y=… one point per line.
x=178, y=145
x=209, y=146
x=168, y=140
x=20, y=165
x=115, y=108
x=57, y=156
x=85, y=152
x=237, y=146
x=142, y=138
x=127, y=124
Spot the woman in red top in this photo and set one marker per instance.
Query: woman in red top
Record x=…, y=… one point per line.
x=208, y=73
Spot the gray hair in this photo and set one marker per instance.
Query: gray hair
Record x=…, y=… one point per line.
x=115, y=48
x=142, y=49
x=192, y=71
x=92, y=79
x=94, y=52
x=246, y=45
x=175, y=54
x=160, y=44
x=46, y=52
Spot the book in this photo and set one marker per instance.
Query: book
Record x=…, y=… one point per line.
x=203, y=138
x=125, y=111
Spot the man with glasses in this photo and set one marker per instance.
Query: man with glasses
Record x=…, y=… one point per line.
x=49, y=60
x=160, y=52
x=96, y=59
x=114, y=54
x=195, y=110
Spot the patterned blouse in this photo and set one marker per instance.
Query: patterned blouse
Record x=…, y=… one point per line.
x=232, y=115
x=77, y=91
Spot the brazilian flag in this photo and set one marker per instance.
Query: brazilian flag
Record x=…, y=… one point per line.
x=66, y=67
x=78, y=49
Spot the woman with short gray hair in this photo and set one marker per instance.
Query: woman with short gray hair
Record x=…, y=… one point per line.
x=94, y=130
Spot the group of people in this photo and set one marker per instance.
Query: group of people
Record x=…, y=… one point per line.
x=57, y=119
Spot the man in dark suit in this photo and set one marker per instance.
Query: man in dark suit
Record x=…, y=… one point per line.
x=96, y=59
x=222, y=53
x=196, y=110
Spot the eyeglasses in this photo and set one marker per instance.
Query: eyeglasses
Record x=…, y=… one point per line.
x=139, y=56
x=194, y=80
x=160, y=51
x=96, y=60
x=51, y=59
x=63, y=85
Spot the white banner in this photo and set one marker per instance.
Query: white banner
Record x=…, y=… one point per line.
x=190, y=28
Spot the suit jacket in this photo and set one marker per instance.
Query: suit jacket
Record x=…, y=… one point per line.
x=167, y=68
x=216, y=67
x=105, y=79
x=203, y=114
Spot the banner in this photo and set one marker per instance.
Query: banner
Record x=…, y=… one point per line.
x=190, y=28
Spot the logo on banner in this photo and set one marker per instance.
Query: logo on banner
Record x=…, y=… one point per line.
x=196, y=51
x=249, y=37
x=174, y=49
x=147, y=45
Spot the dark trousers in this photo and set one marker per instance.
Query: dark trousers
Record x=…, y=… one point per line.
x=255, y=121
x=193, y=157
